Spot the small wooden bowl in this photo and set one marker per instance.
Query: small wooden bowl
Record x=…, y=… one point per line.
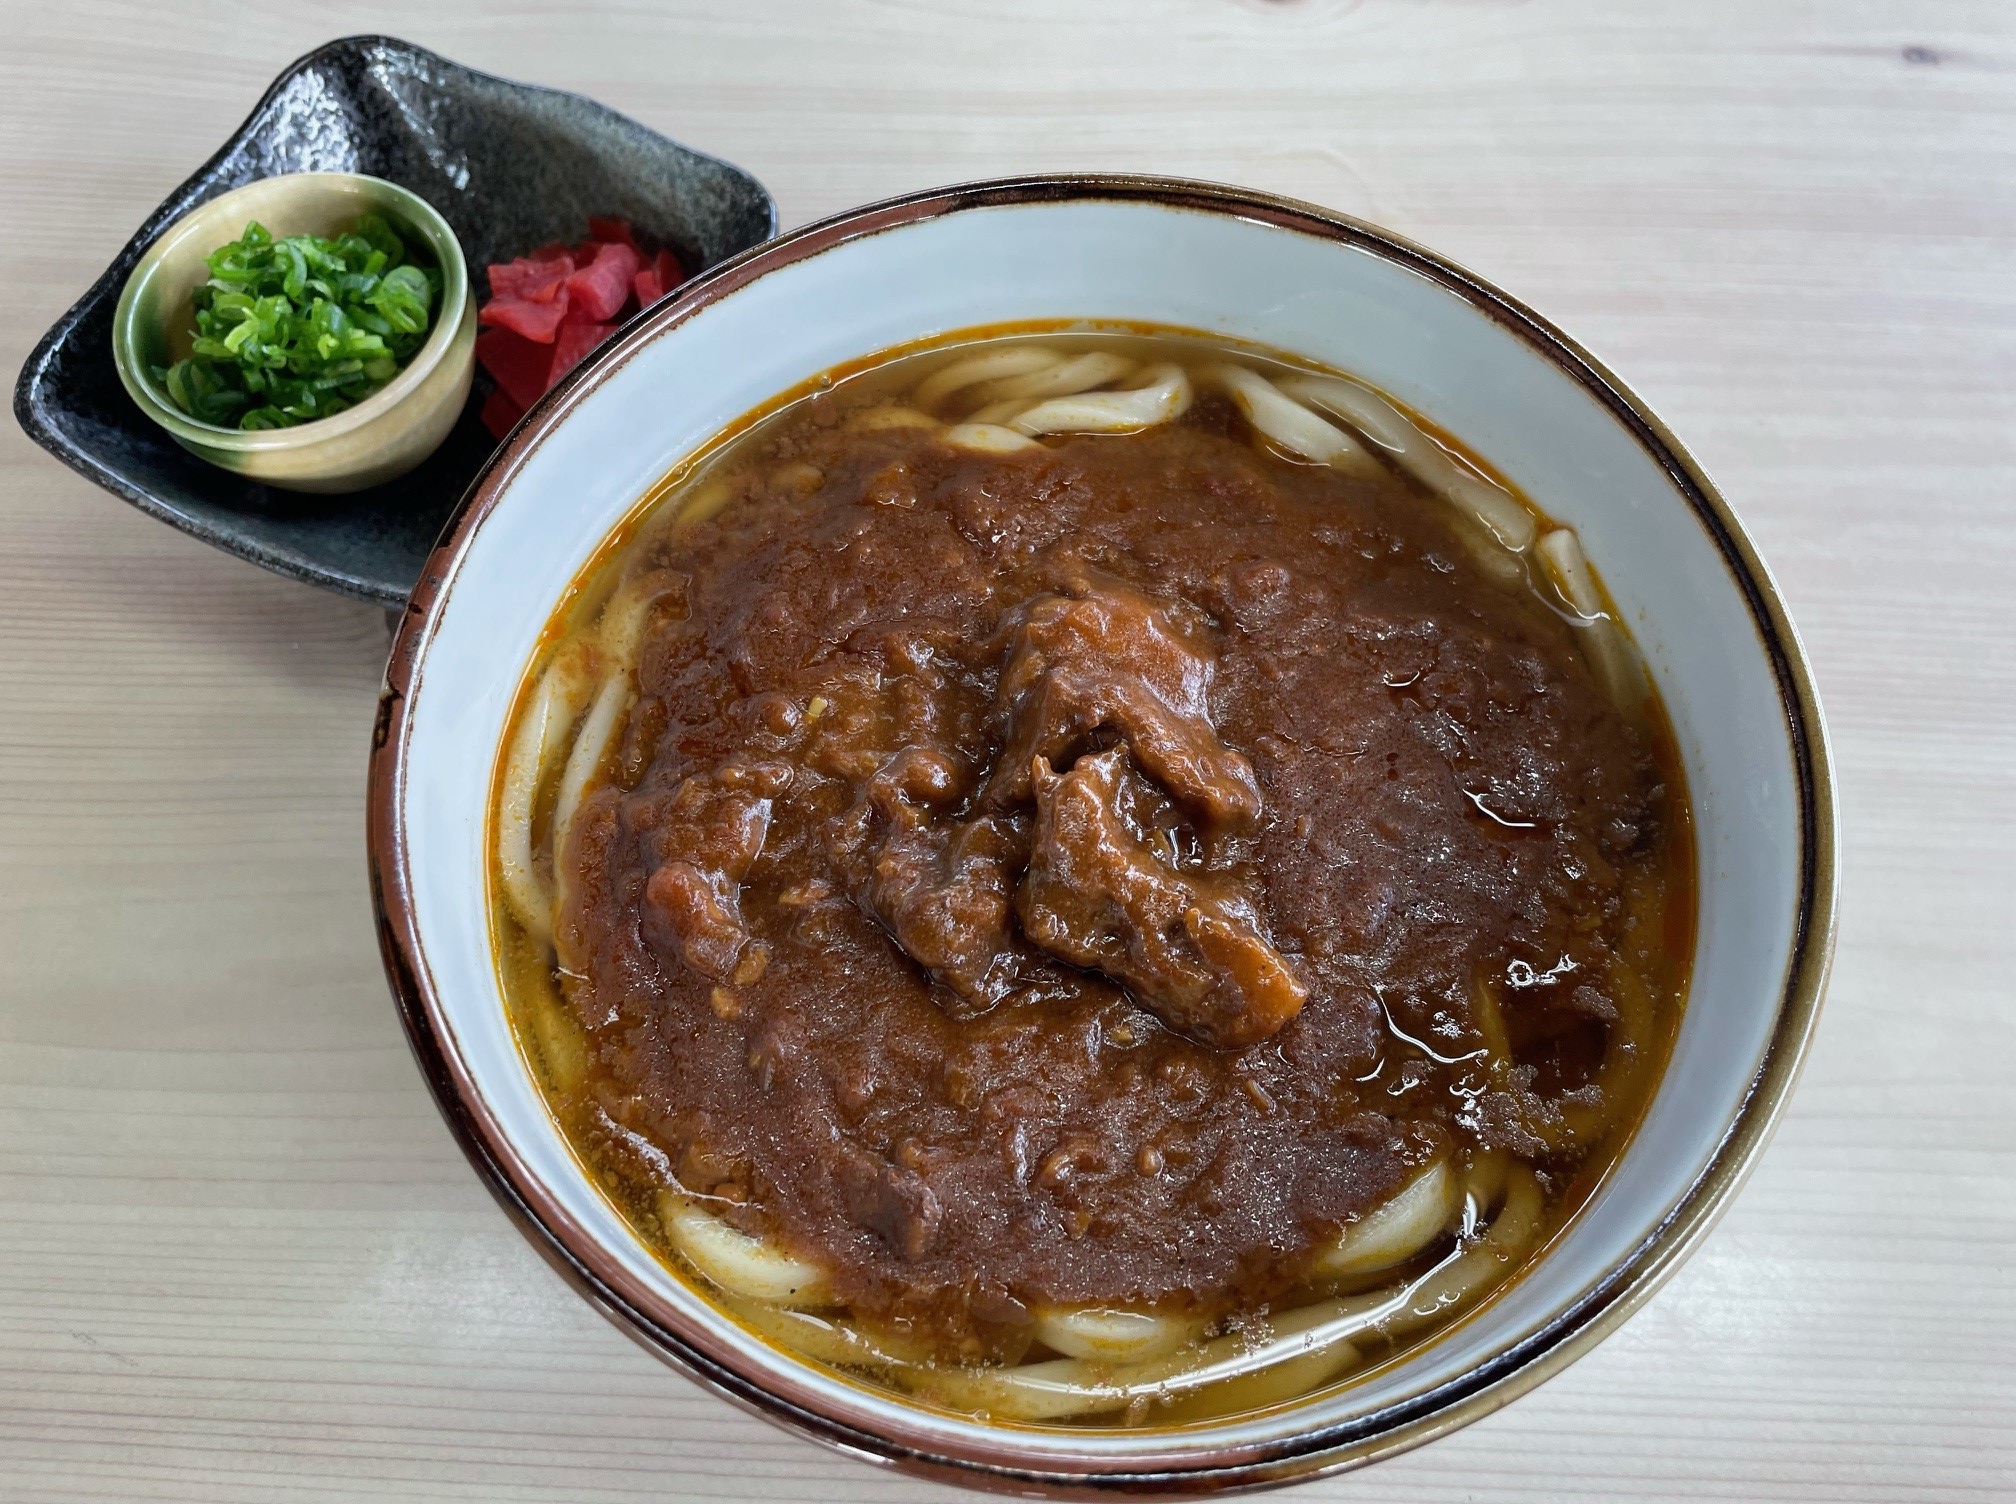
x=386, y=434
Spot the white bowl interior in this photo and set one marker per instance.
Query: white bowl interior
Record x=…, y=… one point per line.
x=1343, y=305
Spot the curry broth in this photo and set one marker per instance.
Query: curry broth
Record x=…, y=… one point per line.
x=871, y=1330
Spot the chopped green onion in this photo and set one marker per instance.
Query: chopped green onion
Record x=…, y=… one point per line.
x=291, y=330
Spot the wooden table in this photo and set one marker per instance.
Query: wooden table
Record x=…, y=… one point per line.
x=240, y=1258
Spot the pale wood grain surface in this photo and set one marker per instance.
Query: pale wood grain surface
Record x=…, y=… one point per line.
x=240, y=1258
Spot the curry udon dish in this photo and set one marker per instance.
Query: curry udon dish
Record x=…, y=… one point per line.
x=1092, y=879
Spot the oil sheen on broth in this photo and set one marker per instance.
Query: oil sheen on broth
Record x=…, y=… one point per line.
x=1092, y=878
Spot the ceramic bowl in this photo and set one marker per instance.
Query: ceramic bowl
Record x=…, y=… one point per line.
x=508, y=165
x=1258, y=268
x=379, y=439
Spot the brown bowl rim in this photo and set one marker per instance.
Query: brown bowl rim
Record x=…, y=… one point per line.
x=701, y=1351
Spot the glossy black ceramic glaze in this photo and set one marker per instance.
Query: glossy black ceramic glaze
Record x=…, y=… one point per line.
x=509, y=166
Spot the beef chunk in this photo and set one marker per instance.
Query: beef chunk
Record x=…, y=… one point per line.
x=705, y=840
x=1107, y=658
x=1191, y=948
x=942, y=888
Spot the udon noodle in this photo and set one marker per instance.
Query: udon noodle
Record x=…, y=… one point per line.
x=1461, y=1223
